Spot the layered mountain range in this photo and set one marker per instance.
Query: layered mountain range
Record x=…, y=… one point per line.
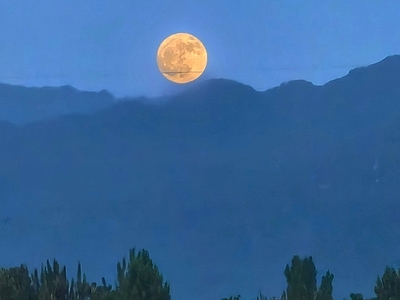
x=221, y=183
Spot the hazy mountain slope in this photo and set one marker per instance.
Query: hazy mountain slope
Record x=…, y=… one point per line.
x=222, y=184
x=21, y=105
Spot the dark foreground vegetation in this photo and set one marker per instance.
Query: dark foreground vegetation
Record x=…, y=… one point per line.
x=139, y=279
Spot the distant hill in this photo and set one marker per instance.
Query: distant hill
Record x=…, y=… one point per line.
x=222, y=184
x=21, y=105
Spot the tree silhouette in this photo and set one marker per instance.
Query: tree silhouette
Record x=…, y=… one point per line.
x=232, y=298
x=301, y=279
x=82, y=287
x=326, y=288
x=356, y=296
x=15, y=283
x=388, y=288
x=140, y=279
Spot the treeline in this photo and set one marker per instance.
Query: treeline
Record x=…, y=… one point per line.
x=140, y=279
x=301, y=278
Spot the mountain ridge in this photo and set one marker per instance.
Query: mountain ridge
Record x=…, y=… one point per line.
x=260, y=176
x=21, y=105
x=54, y=102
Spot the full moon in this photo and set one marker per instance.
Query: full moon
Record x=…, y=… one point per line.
x=181, y=58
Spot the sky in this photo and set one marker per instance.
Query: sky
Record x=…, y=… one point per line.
x=104, y=44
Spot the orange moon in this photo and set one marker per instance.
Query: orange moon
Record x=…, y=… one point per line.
x=181, y=58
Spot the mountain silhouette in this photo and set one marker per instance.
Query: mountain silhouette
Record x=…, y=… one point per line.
x=221, y=183
x=21, y=105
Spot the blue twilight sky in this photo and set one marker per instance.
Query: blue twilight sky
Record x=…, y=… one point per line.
x=96, y=44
